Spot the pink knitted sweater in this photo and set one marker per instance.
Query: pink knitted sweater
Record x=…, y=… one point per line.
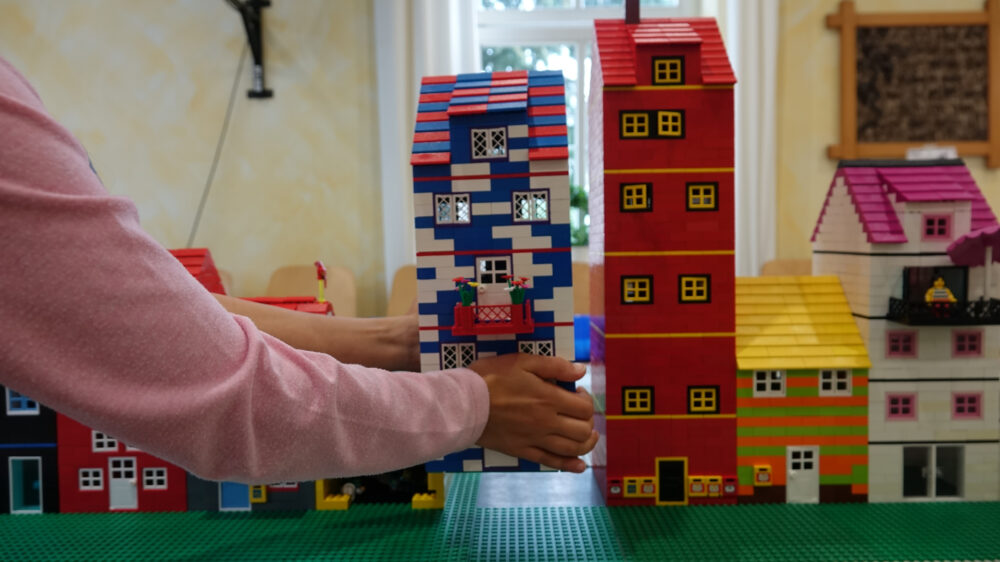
x=99, y=322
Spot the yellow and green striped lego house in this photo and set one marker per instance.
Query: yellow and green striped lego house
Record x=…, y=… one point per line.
x=801, y=392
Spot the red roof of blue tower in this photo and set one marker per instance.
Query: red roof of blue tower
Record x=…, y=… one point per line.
x=617, y=41
x=871, y=183
x=538, y=92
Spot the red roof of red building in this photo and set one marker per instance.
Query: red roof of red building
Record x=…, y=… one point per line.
x=616, y=43
x=198, y=262
x=302, y=304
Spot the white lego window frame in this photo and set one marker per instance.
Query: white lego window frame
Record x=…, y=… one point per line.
x=91, y=479
x=26, y=406
x=102, y=443
x=774, y=385
x=154, y=478
x=836, y=382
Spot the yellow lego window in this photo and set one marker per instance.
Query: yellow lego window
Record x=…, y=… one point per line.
x=702, y=196
x=635, y=124
x=694, y=288
x=637, y=400
x=670, y=123
x=637, y=290
x=668, y=70
x=703, y=399
x=636, y=197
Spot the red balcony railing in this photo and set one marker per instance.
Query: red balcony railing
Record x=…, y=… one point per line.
x=491, y=319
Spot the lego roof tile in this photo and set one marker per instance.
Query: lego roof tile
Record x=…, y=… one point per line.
x=616, y=44
x=795, y=323
x=870, y=184
x=444, y=97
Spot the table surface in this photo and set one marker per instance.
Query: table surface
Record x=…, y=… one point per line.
x=520, y=517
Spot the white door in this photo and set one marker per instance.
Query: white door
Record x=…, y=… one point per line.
x=803, y=475
x=122, y=486
x=490, y=275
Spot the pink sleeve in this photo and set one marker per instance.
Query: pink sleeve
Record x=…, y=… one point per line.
x=101, y=323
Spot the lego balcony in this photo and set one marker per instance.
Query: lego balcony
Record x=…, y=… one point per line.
x=959, y=313
x=493, y=319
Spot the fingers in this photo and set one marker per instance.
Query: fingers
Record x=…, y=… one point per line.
x=574, y=404
x=572, y=428
x=569, y=464
x=564, y=447
x=550, y=368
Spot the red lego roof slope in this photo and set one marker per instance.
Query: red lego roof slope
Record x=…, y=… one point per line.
x=616, y=43
x=871, y=183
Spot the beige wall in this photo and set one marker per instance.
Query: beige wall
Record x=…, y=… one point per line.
x=808, y=112
x=144, y=84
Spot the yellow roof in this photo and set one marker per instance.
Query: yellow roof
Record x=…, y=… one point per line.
x=796, y=323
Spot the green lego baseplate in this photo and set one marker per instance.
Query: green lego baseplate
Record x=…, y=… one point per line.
x=463, y=531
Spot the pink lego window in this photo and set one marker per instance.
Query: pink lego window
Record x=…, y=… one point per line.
x=936, y=227
x=967, y=405
x=967, y=344
x=901, y=344
x=901, y=407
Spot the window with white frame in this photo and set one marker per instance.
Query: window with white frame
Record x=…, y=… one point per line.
x=557, y=35
x=455, y=355
x=91, y=479
x=102, y=442
x=489, y=143
x=452, y=208
x=768, y=384
x=835, y=382
x=20, y=405
x=531, y=206
x=537, y=347
x=154, y=478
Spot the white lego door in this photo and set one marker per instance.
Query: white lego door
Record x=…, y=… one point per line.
x=492, y=285
x=122, y=486
x=803, y=475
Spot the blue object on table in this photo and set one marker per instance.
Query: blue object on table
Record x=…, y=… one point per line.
x=581, y=336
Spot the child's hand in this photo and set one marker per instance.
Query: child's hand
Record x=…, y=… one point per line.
x=533, y=419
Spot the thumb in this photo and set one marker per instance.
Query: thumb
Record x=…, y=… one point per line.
x=552, y=368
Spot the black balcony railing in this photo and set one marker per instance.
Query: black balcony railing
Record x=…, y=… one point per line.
x=961, y=313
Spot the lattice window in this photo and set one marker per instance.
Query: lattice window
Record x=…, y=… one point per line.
x=489, y=143
x=531, y=206
x=452, y=208
x=537, y=347
x=456, y=355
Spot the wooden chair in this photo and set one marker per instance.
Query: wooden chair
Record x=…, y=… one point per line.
x=300, y=280
x=404, y=291
x=786, y=267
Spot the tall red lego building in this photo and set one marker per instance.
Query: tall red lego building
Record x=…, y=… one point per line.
x=661, y=204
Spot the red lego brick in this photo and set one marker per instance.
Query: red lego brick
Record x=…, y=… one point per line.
x=432, y=136
x=501, y=98
x=548, y=153
x=428, y=158
x=546, y=91
x=464, y=92
x=546, y=110
x=432, y=116
x=469, y=109
x=547, y=131
x=438, y=80
x=435, y=97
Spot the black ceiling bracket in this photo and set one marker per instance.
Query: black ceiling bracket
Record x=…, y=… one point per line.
x=250, y=10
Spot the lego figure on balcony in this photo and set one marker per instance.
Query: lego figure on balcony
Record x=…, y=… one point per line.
x=939, y=293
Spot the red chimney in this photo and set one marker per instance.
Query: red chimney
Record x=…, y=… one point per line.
x=632, y=11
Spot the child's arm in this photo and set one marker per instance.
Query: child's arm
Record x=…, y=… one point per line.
x=390, y=343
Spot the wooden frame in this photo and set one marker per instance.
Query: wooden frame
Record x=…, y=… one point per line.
x=847, y=21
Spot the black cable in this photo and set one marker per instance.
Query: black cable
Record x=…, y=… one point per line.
x=218, y=147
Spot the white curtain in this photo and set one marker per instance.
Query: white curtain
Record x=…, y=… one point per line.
x=413, y=38
x=751, y=30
